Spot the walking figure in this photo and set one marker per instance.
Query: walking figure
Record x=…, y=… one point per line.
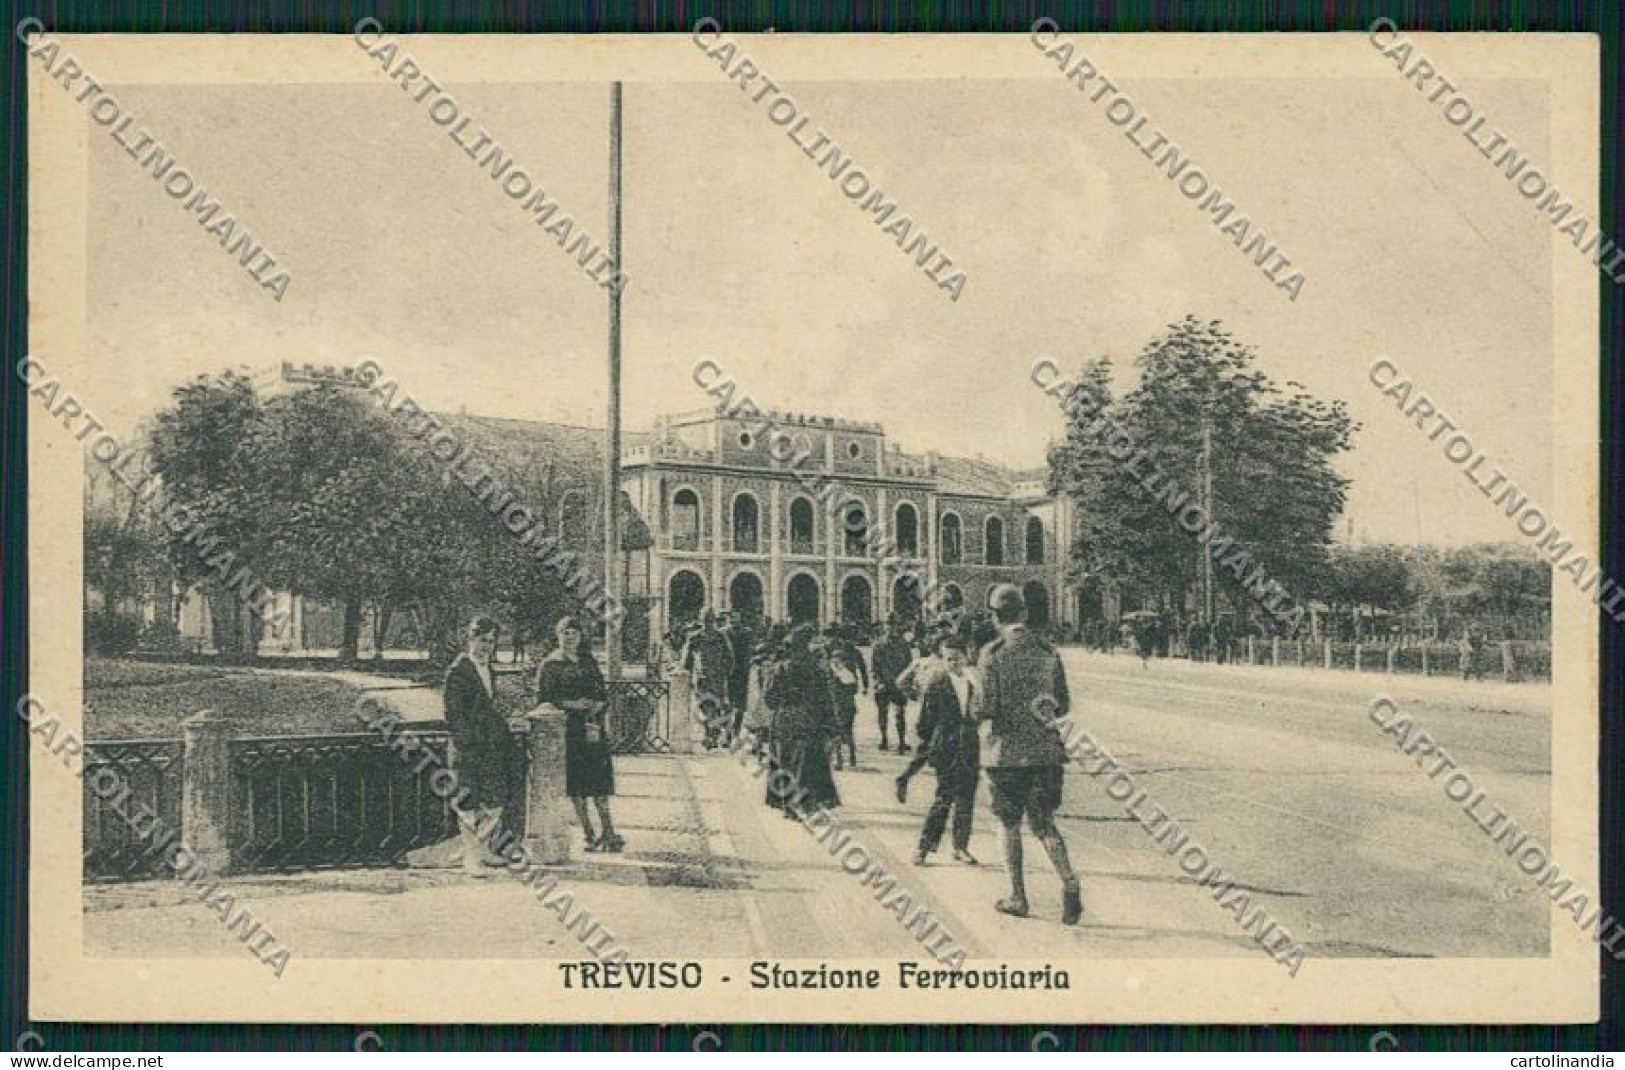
x=847, y=676
x=953, y=751
x=891, y=656
x=1023, y=690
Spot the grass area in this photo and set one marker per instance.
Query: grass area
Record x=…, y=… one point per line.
x=126, y=699
x=144, y=700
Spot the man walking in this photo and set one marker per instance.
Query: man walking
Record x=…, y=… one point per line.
x=953, y=751
x=709, y=658
x=1023, y=692
x=891, y=656
x=847, y=676
x=741, y=638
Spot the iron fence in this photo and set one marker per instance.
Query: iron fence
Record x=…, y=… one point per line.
x=1510, y=660
x=640, y=720
x=151, y=770
x=310, y=802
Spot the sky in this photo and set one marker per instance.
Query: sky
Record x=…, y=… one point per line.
x=740, y=251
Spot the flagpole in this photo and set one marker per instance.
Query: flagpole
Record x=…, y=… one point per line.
x=612, y=436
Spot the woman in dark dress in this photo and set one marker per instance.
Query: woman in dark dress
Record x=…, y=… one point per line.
x=798, y=694
x=569, y=678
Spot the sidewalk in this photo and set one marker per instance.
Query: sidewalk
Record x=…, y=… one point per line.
x=709, y=871
x=666, y=895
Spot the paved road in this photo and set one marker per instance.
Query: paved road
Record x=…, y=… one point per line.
x=1277, y=773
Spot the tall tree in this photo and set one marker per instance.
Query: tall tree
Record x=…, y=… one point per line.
x=198, y=447
x=1275, y=489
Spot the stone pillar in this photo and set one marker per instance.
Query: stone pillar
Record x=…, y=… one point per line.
x=1251, y=655
x=835, y=524
x=206, y=790
x=1328, y=653
x=1275, y=650
x=930, y=520
x=1392, y=650
x=1424, y=657
x=1509, y=663
x=1359, y=650
x=722, y=524
x=772, y=598
x=547, y=810
x=881, y=536
x=680, y=711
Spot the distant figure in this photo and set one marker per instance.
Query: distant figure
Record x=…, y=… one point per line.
x=847, y=677
x=569, y=679
x=484, y=757
x=741, y=644
x=916, y=680
x=1023, y=689
x=1145, y=639
x=758, y=720
x=1196, y=639
x=1472, y=645
x=709, y=657
x=953, y=751
x=803, y=723
x=890, y=657
x=1221, y=640
x=982, y=632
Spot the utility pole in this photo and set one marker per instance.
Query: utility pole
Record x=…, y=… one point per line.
x=1207, y=508
x=612, y=434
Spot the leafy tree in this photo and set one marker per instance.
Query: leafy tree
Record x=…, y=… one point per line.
x=1275, y=488
x=1504, y=583
x=353, y=513
x=1365, y=578
x=1081, y=467
x=198, y=448
x=324, y=494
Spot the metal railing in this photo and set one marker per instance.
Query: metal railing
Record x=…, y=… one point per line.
x=640, y=717
x=309, y=802
x=1509, y=660
x=152, y=769
x=300, y=802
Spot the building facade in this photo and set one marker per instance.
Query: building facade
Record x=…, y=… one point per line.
x=821, y=518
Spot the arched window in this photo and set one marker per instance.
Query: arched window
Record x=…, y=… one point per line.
x=1035, y=541
x=994, y=552
x=745, y=515
x=745, y=595
x=802, y=598
x=952, y=549
x=685, y=599
x=685, y=520
x=802, y=527
x=854, y=530
x=908, y=530
x=574, y=527
x=857, y=601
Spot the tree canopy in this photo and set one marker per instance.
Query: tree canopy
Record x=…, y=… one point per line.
x=327, y=496
x=1275, y=488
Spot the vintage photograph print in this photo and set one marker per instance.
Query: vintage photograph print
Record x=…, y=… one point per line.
x=716, y=527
